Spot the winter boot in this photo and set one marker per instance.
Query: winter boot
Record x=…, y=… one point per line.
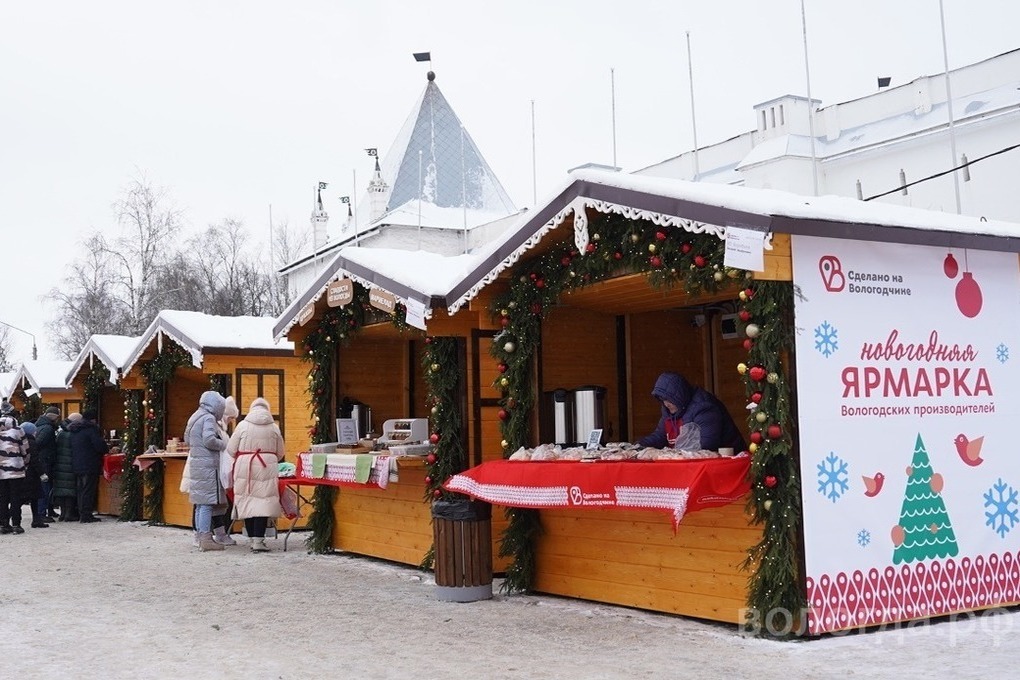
x=221, y=536
x=259, y=545
x=206, y=542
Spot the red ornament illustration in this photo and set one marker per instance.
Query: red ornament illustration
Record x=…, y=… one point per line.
x=950, y=266
x=968, y=296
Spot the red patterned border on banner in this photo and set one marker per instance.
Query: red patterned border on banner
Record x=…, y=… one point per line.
x=909, y=592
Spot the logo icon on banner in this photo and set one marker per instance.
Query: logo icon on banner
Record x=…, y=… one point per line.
x=831, y=270
x=576, y=497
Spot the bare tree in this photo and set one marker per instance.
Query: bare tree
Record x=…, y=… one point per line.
x=287, y=246
x=87, y=303
x=149, y=222
x=5, y=348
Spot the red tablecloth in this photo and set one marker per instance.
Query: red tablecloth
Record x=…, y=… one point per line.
x=674, y=486
x=113, y=465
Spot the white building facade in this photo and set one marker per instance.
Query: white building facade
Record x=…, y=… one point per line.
x=878, y=146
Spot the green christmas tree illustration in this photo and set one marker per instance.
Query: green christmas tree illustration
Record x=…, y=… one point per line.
x=925, y=530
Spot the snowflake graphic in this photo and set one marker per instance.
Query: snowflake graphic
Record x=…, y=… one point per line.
x=1002, y=353
x=826, y=341
x=863, y=538
x=1002, y=499
x=833, y=481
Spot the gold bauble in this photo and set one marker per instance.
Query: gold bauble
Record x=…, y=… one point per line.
x=767, y=505
x=652, y=247
x=760, y=416
x=504, y=443
x=504, y=382
x=434, y=367
x=752, y=447
x=772, y=378
x=741, y=368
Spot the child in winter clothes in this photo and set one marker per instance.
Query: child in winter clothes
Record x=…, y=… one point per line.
x=13, y=453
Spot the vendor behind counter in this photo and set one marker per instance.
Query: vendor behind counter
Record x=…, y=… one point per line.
x=682, y=404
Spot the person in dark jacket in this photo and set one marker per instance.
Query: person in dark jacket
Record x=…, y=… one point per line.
x=46, y=450
x=65, y=482
x=35, y=476
x=684, y=403
x=87, y=450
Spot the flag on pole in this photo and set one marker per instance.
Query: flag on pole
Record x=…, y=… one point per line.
x=422, y=56
x=322, y=185
x=884, y=82
x=345, y=199
x=372, y=152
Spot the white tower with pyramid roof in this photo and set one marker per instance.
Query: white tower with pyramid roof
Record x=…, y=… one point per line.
x=378, y=192
x=320, y=220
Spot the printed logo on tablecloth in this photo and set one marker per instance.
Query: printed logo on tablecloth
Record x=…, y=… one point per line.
x=579, y=497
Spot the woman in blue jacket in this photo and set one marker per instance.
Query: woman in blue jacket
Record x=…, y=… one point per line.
x=684, y=403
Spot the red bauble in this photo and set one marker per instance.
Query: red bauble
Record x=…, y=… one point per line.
x=565, y=261
x=950, y=266
x=590, y=248
x=748, y=344
x=428, y=480
x=504, y=321
x=536, y=308
x=539, y=283
x=502, y=367
x=685, y=248
x=744, y=315
x=533, y=276
x=660, y=236
x=968, y=296
x=617, y=255
x=436, y=493
x=655, y=261
x=431, y=458
x=434, y=437
x=503, y=415
x=699, y=261
x=756, y=437
x=749, y=293
x=770, y=481
x=775, y=432
x=428, y=340
x=757, y=373
x=756, y=397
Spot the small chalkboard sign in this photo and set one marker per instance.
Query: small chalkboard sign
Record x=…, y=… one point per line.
x=594, y=439
x=347, y=431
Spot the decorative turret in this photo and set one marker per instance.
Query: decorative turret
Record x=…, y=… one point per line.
x=320, y=219
x=378, y=191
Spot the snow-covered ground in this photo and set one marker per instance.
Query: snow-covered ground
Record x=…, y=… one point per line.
x=125, y=600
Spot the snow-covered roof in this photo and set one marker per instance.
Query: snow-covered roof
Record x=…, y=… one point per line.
x=43, y=374
x=198, y=333
x=453, y=281
x=112, y=351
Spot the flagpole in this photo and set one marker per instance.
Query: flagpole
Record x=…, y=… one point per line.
x=694, y=124
x=612, y=90
x=949, y=105
x=419, y=199
x=811, y=103
x=534, y=164
x=354, y=192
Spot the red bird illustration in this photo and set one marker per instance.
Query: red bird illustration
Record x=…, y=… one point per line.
x=873, y=485
x=969, y=449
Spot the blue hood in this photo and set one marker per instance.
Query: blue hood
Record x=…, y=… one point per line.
x=674, y=388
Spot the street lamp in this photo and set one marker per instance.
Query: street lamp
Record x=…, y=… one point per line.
x=35, y=353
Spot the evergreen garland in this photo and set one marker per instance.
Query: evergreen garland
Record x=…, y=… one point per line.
x=157, y=372
x=334, y=329
x=32, y=407
x=131, y=489
x=774, y=591
x=448, y=456
x=95, y=381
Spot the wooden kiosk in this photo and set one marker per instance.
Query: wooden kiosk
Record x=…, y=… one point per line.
x=40, y=383
x=619, y=277
x=95, y=375
x=183, y=354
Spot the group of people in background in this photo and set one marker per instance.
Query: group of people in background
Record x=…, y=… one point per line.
x=52, y=465
x=232, y=475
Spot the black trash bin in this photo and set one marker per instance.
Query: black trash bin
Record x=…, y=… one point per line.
x=462, y=533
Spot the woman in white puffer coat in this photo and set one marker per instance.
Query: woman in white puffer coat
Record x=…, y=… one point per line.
x=256, y=447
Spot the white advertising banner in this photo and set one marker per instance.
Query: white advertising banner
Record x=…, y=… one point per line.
x=908, y=387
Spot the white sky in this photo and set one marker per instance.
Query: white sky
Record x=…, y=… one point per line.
x=234, y=105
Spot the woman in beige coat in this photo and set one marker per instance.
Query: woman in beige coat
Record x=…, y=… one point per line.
x=256, y=447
